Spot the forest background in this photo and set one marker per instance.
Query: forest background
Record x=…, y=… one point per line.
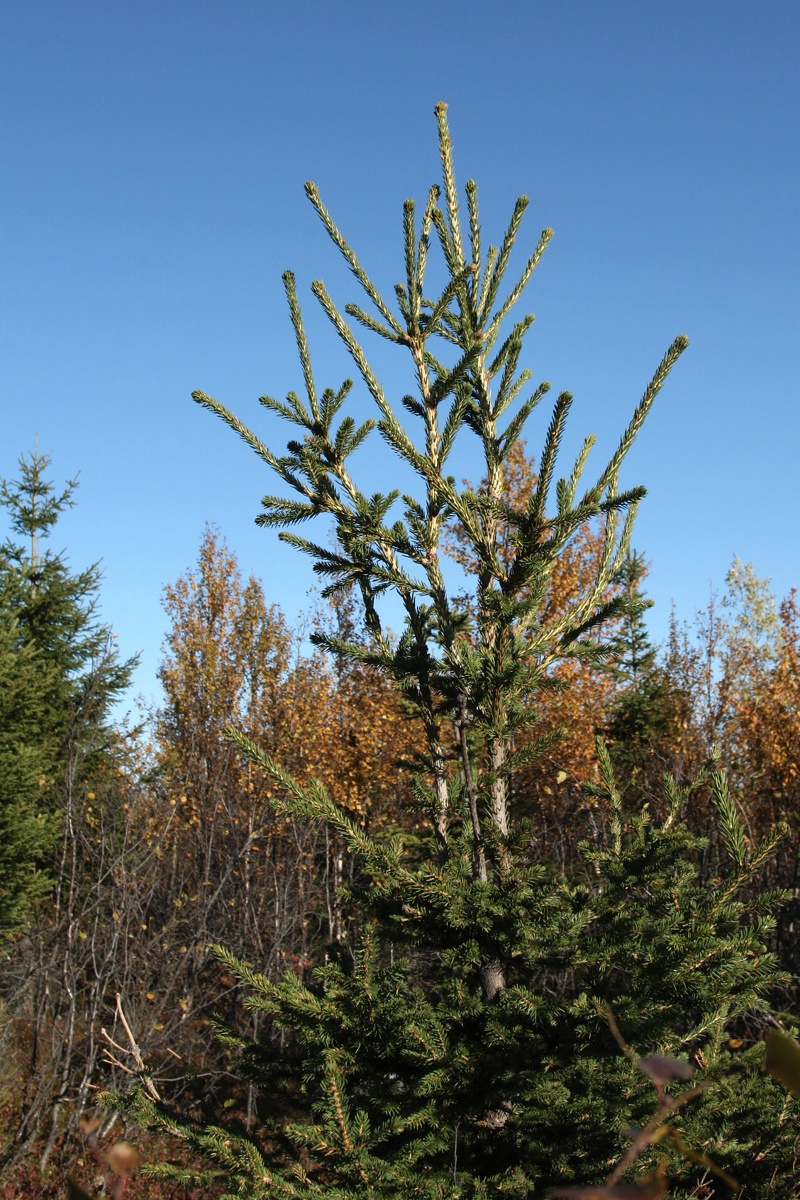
x=152, y=842
x=159, y=841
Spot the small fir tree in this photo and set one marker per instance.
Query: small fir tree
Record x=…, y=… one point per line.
x=464, y=1047
x=644, y=726
x=633, y=651
x=55, y=610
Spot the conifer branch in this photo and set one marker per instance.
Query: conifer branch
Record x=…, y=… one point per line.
x=439, y=311
x=311, y=802
x=374, y=326
x=412, y=289
x=450, y=192
x=731, y=825
x=508, y=357
x=424, y=242
x=518, y=289
x=482, y=305
x=351, y=259
x=501, y=262
x=643, y=408
x=238, y=427
x=555, y=432
x=302, y=342
x=577, y=472
x=471, y=189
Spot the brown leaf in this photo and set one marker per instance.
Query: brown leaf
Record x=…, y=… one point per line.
x=663, y=1069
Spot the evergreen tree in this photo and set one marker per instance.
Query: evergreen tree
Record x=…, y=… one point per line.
x=643, y=728
x=60, y=676
x=32, y=696
x=56, y=608
x=464, y=1048
x=26, y=833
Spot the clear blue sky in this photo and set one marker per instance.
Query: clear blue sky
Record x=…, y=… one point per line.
x=153, y=158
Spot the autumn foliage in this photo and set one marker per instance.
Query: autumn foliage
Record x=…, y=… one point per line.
x=189, y=851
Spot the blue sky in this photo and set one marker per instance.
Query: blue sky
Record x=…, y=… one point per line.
x=153, y=160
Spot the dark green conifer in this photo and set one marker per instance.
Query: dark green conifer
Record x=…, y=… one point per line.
x=56, y=608
x=644, y=727
x=464, y=1048
x=26, y=830
x=60, y=674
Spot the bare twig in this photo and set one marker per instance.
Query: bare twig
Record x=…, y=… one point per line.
x=133, y=1050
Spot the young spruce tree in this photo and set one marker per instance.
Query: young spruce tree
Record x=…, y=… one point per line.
x=465, y=1047
x=645, y=724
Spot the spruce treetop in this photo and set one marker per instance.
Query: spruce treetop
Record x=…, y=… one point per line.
x=33, y=506
x=56, y=608
x=465, y=344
